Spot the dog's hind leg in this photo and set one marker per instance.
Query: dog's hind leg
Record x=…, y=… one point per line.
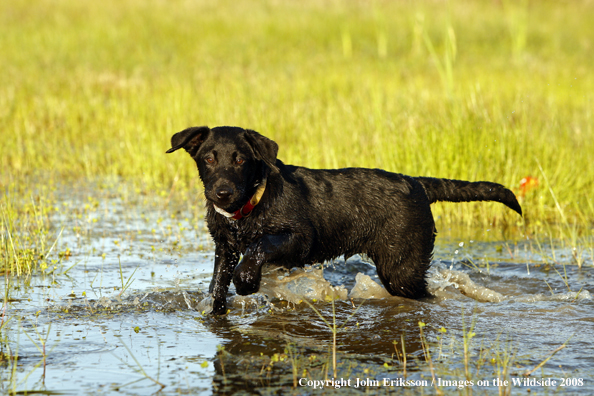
x=403, y=261
x=403, y=274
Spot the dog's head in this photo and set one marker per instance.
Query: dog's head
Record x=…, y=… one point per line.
x=231, y=161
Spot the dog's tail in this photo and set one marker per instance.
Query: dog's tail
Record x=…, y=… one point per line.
x=465, y=191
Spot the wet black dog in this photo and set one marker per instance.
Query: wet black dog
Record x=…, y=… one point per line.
x=288, y=215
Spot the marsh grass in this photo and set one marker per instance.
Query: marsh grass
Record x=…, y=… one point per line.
x=26, y=240
x=41, y=345
x=138, y=369
x=127, y=282
x=9, y=358
x=530, y=372
x=468, y=360
x=428, y=359
x=467, y=90
x=5, y=350
x=333, y=327
x=447, y=355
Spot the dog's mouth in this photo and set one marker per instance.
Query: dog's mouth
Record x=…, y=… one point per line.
x=222, y=211
x=228, y=202
x=237, y=208
x=227, y=205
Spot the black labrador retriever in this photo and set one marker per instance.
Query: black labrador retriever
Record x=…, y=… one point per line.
x=288, y=215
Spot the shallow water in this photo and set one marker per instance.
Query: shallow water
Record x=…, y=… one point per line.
x=155, y=334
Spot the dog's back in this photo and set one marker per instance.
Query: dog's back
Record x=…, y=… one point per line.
x=349, y=208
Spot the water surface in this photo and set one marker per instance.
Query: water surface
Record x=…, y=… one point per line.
x=126, y=312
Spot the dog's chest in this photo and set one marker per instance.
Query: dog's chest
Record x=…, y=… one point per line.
x=236, y=234
x=245, y=235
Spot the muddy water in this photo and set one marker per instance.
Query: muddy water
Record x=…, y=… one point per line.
x=126, y=311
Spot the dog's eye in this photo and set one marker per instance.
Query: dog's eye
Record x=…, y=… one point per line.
x=209, y=160
x=239, y=161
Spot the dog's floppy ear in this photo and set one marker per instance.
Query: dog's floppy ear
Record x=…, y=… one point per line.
x=264, y=148
x=189, y=139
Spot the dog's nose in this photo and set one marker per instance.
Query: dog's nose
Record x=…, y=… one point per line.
x=224, y=192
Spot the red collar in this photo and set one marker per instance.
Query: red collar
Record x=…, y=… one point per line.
x=246, y=209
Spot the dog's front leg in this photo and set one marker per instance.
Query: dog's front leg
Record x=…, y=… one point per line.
x=225, y=262
x=268, y=249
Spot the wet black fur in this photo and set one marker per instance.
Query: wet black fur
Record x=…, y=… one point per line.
x=308, y=216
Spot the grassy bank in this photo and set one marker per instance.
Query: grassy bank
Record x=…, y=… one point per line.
x=471, y=90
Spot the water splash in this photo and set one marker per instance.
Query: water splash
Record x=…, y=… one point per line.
x=309, y=283
x=367, y=288
x=447, y=284
x=300, y=283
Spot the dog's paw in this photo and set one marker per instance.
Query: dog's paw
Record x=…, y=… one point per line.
x=219, y=307
x=244, y=289
x=246, y=282
x=246, y=277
